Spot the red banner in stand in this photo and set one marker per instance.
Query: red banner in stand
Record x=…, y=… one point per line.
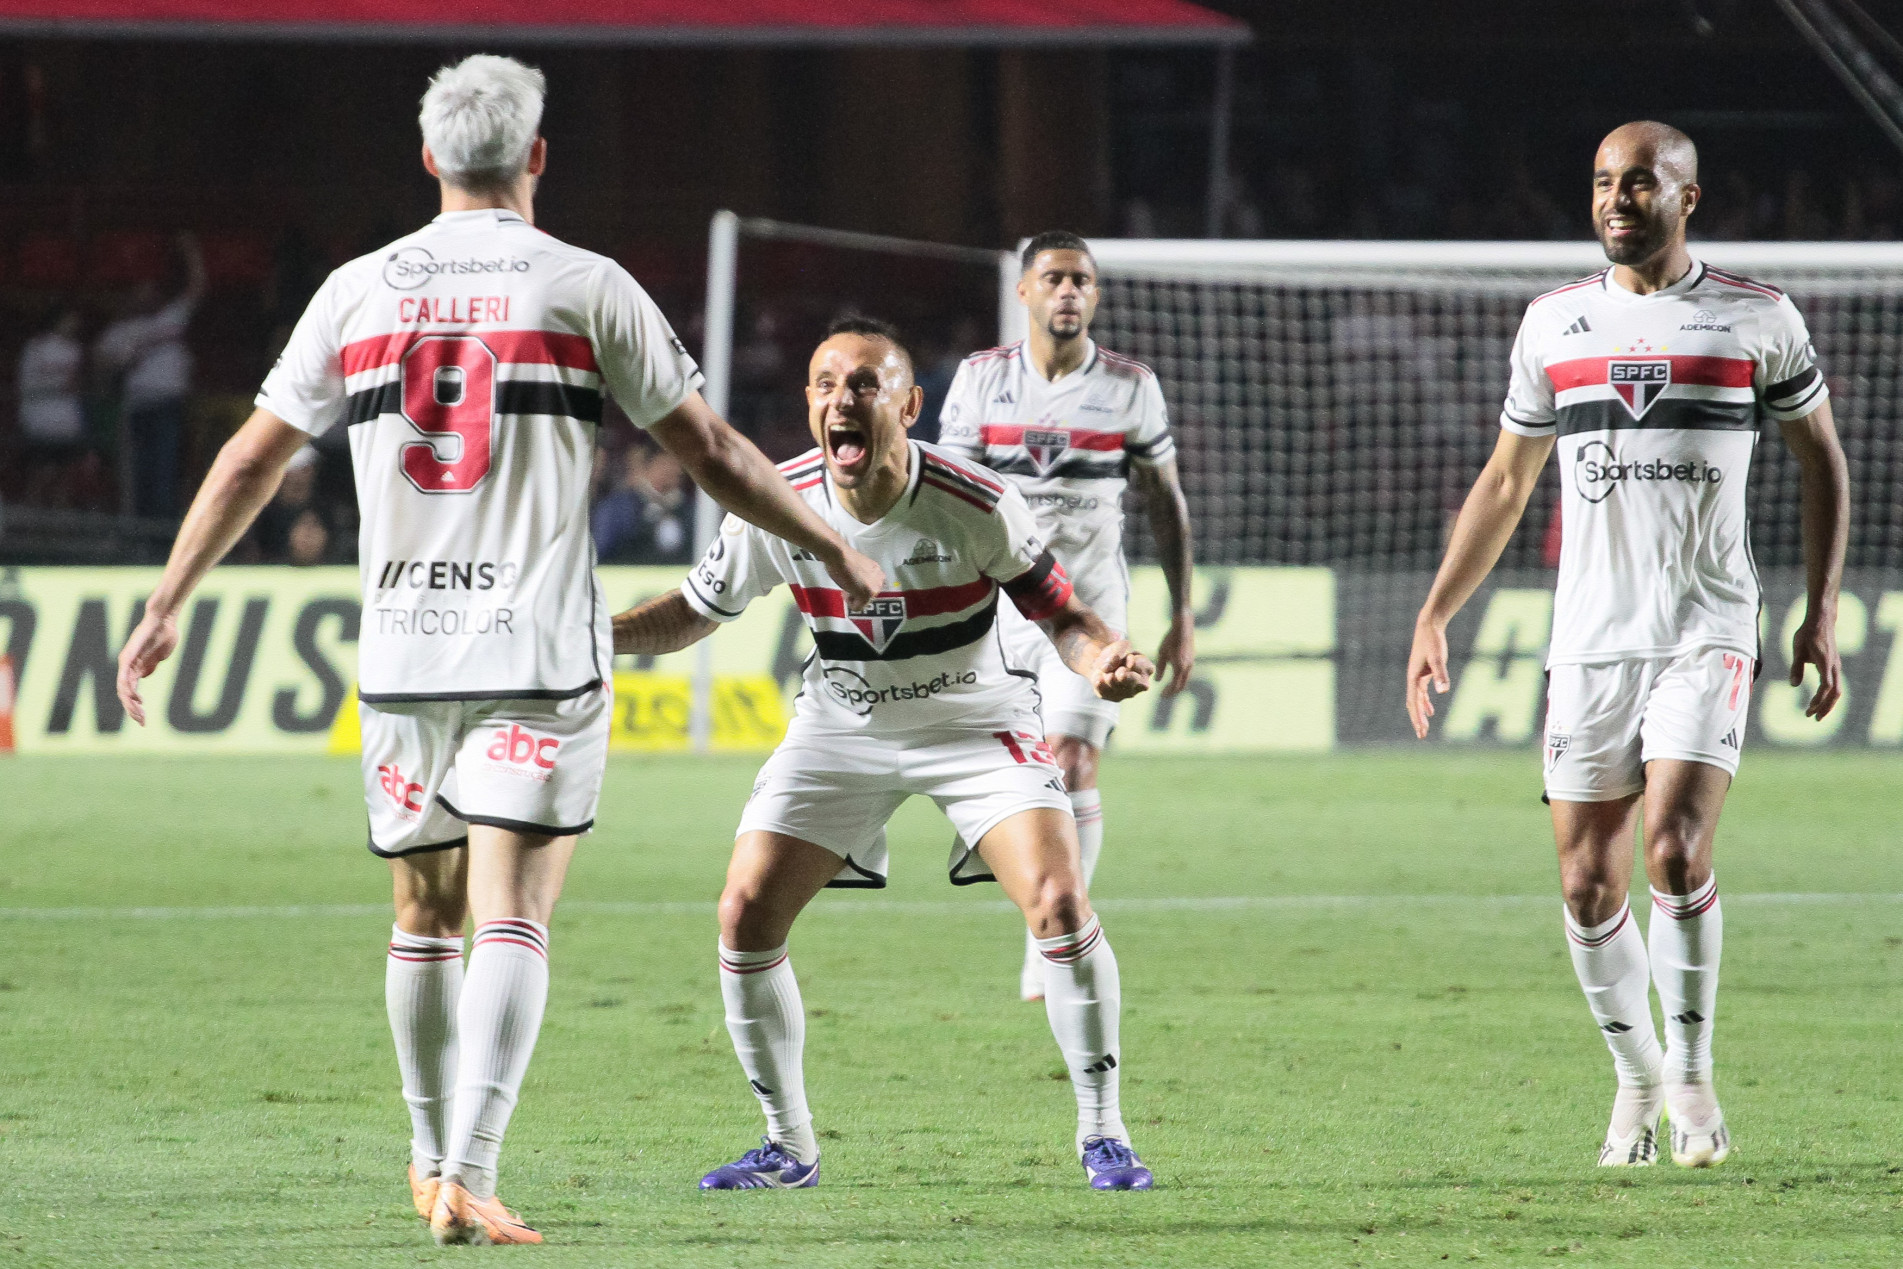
x=637, y=22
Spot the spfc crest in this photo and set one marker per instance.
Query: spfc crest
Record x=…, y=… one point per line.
x=879, y=620
x=1639, y=383
x=1045, y=446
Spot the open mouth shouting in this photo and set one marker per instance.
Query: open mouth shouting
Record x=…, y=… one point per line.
x=846, y=445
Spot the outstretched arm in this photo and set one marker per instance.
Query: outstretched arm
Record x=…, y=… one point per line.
x=1162, y=494
x=1826, y=502
x=1481, y=531
x=1097, y=652
x=658, y=626
x=739, y=477
x=242, y=479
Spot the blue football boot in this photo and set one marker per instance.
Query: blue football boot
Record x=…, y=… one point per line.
x=768, y=1168
x=1112, y=1165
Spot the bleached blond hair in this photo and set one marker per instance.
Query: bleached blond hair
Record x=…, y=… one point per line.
x=480, y=117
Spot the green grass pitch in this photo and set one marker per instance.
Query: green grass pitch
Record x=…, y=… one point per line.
x=1363, y=1046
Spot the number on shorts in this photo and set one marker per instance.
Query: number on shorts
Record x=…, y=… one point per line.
x=1739, y=682
x=449, y=395
x=1025, y=747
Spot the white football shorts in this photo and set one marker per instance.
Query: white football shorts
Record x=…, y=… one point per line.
x=837, y=790
x=431, y=769
x=1605, y=722
x=1068, y=704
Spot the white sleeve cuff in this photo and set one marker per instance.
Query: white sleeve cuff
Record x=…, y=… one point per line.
x=310, y=422
x=691, y=592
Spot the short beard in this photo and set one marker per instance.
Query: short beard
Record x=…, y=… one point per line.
x=1635, y=250
x=1050, y=328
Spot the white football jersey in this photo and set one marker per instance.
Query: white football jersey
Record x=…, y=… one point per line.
x=924, y=655
x=468, y=361
x=1657, y=401
x=1067, y=446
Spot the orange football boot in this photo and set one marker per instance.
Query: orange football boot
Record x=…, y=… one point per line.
x=461, y=1217
x=423, y=1192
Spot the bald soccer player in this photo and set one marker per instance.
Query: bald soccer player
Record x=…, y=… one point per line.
x=911, y=693
x=1652, y=376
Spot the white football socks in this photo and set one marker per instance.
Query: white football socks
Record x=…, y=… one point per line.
x=504, y=992
x=421, y=980
x=1611, y=963
x=767, y=1021
x=1687, y=937
x=1086, y=806
x=1083, y=999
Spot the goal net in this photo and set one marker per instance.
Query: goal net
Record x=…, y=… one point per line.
x=1334, y=401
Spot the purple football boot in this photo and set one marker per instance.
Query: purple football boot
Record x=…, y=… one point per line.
x=768, y=1168
x=1112, y=1165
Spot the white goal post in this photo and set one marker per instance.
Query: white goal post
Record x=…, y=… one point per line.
x=1333, y=400
x=725, y=236
x=1332, y=396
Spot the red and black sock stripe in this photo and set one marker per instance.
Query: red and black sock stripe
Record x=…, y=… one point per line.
x=1076, y=946
x=512, y=932
x=420, y=949
x=1574, y=933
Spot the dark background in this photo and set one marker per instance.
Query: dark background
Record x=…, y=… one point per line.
x=1458, y=119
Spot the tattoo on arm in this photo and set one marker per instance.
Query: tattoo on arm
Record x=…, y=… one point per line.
x=1076, y=647
x=658, y=626
x=1079, y=636
x=1162, y=493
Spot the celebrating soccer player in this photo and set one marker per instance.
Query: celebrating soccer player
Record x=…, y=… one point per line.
x=468, y=361
x=910, y=693
x=1651, y=375
x=1067, y=421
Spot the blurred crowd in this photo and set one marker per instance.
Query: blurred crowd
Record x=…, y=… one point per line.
x=120, y=397
x=120, y=390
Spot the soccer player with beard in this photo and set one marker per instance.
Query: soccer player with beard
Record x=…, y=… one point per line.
x=909, y=694
x=1068, y=422
x=468, y=361
x=1651, y=378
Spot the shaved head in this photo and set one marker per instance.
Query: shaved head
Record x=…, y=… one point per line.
x=1665, y=146
x=1645, y=187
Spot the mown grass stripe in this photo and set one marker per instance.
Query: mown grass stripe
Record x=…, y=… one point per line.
x=925, y=907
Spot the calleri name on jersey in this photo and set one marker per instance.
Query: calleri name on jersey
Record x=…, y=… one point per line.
x=468, y=361
x=924, y=655
x=1068, y=447
x=1657, y=401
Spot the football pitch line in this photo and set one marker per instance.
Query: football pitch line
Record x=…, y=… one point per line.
x=922, y=907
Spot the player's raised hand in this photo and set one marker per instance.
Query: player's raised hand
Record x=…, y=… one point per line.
x=858, y=576
x=1426, y=664
x=149, y=644
x=1121, y=672
x=1815, y=643
x=1176, y=654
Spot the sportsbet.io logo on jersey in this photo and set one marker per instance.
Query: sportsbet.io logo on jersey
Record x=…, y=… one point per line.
x=852, y=689
x=407, y=268
x=1598, y=470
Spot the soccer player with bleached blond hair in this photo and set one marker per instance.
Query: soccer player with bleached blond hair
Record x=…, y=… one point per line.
x=1651, y=379
x=468, y=361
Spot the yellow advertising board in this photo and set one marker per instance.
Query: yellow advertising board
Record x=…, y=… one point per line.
x=267, y=661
